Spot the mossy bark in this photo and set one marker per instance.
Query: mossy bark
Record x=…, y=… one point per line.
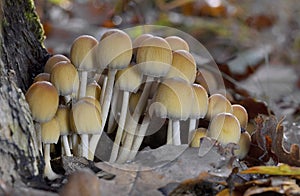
x=22, y=56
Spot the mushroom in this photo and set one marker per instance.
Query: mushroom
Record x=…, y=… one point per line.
x=241, y=114
x=86, y=116
x=173, y=100
x=63, y=118
x=200, y=107
x=114, y=57
x=50, y=135
x=225, y=128
x=206, y=79
x=177, y=43
x=137, y=42
x=42, y=77
x=197, y=135
x=42, y=98
x=82, y=56
x=217, y=103
x=244, y=144
x=53, y=60
x=94, y=90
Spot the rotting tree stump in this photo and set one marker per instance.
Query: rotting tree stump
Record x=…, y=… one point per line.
x=22, y=57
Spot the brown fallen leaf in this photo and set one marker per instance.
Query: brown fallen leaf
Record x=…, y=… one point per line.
x=283, y=169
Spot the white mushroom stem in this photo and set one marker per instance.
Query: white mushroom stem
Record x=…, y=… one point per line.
x=39, y=136
x=176, y=132
x=48, y=172
x=192, y=127
x=66, y=145
x=83, y=83
x=170, y=132
x=103, y=89
x=105, y=108
x=115, y=150
x=75, y=144
x=113, y=112
x=85, y=145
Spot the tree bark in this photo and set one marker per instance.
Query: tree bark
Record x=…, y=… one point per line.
x=22, y=57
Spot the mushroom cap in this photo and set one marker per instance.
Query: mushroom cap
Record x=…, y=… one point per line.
x=86, y=117
x=50, y=131
x=225, y=128
x=206, y=79
x=183, y=66
x=173, y=98
x=94, y=90
x=53, y=60
x=129, y=79
x=154, y=57
x=93, y=101
x=133, y=100
x=114, y=56
x=198, y=134
x=65, y=78
x=177, y=43
x=244, y=144
x=82, y=52
x=200, y=107
x=42, y=77
x=42, y=98
x=217, y=103
x=137, y=42
x=241, y=114
x=63, y=118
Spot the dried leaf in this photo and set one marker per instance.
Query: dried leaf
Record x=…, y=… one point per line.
x=283, y=169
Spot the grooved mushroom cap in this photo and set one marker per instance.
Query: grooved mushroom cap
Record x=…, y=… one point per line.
x=50, y=131
x=154, y=57
x=225, y=128
x=63, y=118
x=65, y=78
x=200, y=104
x=129, y=79
x=137, y=42
x=114, y=50
x=42, y=98
x=94, y=90
x=86, y=117
x=83, y=51
x=206, y=79
x=217, y=103
x=183, y=66
x=93, y=101
x=244, y=143
x=53, y=60
x=174, y=98
x=198, y=134
x=177, y=43
x=241, y=114
x=42, y=77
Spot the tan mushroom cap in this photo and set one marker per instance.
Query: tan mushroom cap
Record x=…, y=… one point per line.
x=217, y=103
x=86, y=117
x=53, y=60
x=93, y=101
x=137, y=42
x=129, y=79
x=198, y=134
x=114, y=50
x=42, y=77
x=50, y=131
x=94, y=90
x=154, y=57
x=183, y=66
x=42, y=98
x=206, y=79
x=82, y=52
x=177, y=43
x=174, y=98
x=244, y=144
x=65, y=78
x=241, y=114
x=225, y=128
x=63, y=118
x=200, y=104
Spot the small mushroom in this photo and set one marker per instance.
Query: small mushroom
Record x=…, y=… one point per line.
x=197, y=135
x=206, y=79
x=225, y=128
x=137, y=42
x=53, y=60
x=241, y=114
x=94, y=90
x=217, y=103
x=244, y=144
x=177, y=43
x=42, y=77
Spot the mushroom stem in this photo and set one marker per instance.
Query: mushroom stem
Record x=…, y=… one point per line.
x=75, y=144
x=39, y=136
x=105, y=108
x=85, y=145
x=192, y=127
x=83, y=82
x=66, y=145
x=48, y=172
x=103, y=89
x=170, y=132
x=113, y=112
x=115, y=150
x=176, y=132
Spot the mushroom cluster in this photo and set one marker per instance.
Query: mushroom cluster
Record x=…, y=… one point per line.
x=116, y=85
